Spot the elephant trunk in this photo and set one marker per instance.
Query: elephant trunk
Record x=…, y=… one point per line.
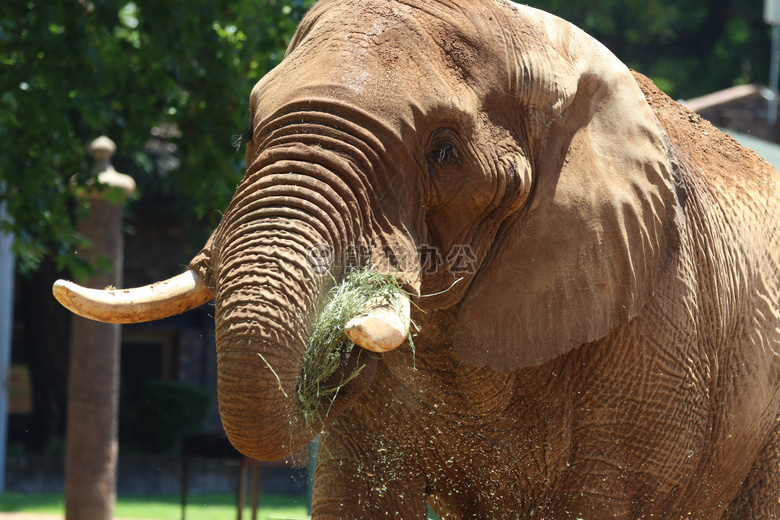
x=280, y=247
x=306, y=211
x=263, y=312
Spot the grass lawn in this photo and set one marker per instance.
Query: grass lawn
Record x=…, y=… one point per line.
x=166, y=507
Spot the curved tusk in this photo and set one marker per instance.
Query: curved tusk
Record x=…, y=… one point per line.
x=151, y=302
x=382, y=328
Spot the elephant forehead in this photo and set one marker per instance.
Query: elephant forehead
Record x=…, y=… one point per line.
x=382, y=56
x=407, y=23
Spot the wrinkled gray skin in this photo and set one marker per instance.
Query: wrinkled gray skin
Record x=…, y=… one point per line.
x=611, y=347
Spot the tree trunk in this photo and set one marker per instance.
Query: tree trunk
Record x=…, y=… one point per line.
x=93, y=384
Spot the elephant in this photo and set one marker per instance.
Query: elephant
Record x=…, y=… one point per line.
x=592, y=270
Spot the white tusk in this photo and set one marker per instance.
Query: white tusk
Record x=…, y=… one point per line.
x=151, y=302
x=383, y=328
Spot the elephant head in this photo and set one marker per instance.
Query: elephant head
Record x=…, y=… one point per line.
x=487, y=154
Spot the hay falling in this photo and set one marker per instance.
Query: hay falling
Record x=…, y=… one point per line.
x=328, y=344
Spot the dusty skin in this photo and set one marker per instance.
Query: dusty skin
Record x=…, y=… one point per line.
x=615, y=350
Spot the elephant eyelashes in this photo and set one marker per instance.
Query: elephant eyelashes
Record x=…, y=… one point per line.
x=444, y=151
x=241, y=140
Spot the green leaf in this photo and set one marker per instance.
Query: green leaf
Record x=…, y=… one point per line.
x=73, y=72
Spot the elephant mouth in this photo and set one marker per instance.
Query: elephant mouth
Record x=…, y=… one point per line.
x=324, y=396
x=368, y=310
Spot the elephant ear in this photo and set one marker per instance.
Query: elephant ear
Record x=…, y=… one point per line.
x=585, y=253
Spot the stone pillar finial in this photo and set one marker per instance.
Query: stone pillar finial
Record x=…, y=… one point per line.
x=102, y=149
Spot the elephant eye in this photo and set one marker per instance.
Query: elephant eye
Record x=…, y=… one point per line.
x=444, y=151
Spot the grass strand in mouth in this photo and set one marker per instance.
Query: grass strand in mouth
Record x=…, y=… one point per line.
x=328, y=344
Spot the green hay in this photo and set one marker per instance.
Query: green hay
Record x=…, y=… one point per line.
x=328, y=343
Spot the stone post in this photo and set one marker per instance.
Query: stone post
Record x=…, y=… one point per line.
x=91, y=445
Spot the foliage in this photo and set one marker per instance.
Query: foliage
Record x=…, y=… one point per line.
x=328, y=344
x=169, y=409
x=177, y=70
x=688, y=49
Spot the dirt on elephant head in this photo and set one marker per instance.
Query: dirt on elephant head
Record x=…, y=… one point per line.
x=698, y=142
